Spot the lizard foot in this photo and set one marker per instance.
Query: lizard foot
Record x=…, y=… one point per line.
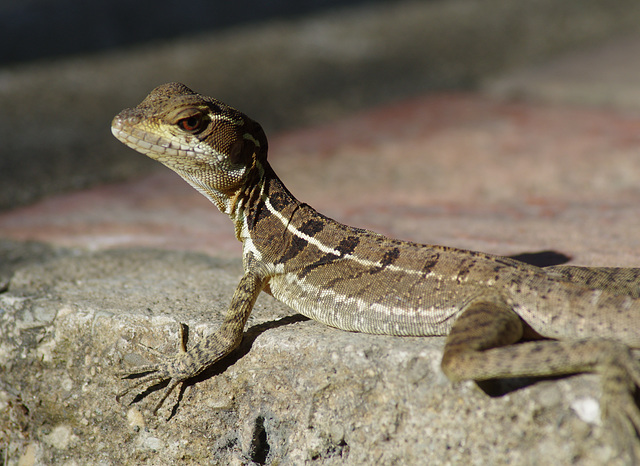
x=176, y=369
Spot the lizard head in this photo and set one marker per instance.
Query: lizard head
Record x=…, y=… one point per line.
x=211, y=145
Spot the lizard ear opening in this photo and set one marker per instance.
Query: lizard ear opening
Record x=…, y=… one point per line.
x=241, y=152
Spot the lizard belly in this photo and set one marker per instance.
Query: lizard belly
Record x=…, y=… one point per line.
x=388, y=314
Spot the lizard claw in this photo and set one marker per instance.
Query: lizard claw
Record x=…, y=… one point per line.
x=151, y=379
x=175, y=369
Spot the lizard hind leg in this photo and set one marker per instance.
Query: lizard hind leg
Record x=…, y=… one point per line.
x=481, y=346
x=483, y=324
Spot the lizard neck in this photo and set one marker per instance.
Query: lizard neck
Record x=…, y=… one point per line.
x=265, y=213
x=222, y=201
x=238, y=203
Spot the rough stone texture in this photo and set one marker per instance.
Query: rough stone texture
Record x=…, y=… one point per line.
x=296, y=392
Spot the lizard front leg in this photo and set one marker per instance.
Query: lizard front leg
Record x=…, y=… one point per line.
x=481, y=346
x=186, y=364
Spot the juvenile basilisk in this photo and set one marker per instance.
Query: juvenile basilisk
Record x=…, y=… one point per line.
x=503, y=318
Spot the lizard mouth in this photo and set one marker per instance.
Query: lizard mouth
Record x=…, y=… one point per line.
x=150, y=144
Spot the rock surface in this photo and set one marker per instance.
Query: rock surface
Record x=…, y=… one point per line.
x=296, y=392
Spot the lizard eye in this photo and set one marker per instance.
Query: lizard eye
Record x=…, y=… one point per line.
x=192, y=124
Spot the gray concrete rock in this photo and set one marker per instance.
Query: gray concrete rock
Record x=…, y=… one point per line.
x=295, y=392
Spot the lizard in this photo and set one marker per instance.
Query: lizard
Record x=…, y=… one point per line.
x=502, y=318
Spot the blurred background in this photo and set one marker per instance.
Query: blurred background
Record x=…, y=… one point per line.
x=67, y=67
